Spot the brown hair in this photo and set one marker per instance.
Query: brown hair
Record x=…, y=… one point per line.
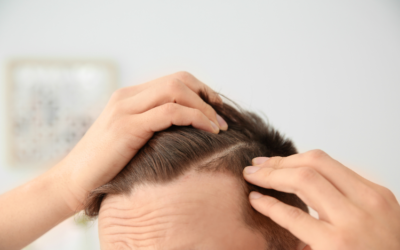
x=172, y=152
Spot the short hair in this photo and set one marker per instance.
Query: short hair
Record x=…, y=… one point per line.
x=172, y=152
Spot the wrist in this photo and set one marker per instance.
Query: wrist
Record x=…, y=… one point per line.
x=72, y=199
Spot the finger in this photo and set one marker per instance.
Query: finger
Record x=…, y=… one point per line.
x=188, y=79
x=345, y=180
x=173, y=92
x=196, y=85
x=169, y=114
x=306, y=183
x=296, y=221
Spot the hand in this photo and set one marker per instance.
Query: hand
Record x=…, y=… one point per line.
x=354, y=213
x=129, y=120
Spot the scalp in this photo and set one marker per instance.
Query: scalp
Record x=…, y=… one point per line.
x=173, y=152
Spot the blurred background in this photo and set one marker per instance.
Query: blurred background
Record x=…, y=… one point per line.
x=325, y=73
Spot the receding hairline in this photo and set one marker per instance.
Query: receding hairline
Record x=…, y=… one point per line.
x=228, y=197
x=211, y=164
x=172, y=152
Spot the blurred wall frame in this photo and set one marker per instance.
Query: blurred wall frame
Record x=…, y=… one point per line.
x=51, y=104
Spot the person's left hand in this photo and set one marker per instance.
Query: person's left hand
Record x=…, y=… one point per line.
x=354, y=213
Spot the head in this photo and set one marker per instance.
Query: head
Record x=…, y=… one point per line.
x=184, y=190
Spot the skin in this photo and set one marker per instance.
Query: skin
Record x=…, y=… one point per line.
x=357, y=214
x=354, y=213
x=130, y=118
x=179, y=216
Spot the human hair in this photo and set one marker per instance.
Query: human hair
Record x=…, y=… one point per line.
x=172, y=152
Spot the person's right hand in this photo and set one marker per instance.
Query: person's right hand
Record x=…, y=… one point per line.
x=354, y=213
x=129, y=120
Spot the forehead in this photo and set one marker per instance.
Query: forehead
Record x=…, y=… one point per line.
x=197, y=211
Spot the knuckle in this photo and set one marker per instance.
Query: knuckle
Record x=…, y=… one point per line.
x=276, y=162
x=294, y=213
x=316, y=154
x=306, y=175
x=387, y=193
x=169, y=108
x=265, y=176
x=117, y=95
x=377, y=201
x=314, y=157
x=184, y=76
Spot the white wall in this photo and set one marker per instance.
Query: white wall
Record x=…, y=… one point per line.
x=326, y=73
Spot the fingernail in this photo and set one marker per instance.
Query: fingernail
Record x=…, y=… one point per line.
x=222, y=123
x=251, y=169
x=255, y=195
x=259, y=160
x=215, y=128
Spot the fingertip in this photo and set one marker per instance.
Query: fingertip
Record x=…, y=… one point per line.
x=250, y=170
x=215, y=128
x=259, y=160
x=255, y=195
x=222, y=123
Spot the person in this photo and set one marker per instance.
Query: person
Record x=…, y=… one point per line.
x=354, y=213
x=185, y=189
